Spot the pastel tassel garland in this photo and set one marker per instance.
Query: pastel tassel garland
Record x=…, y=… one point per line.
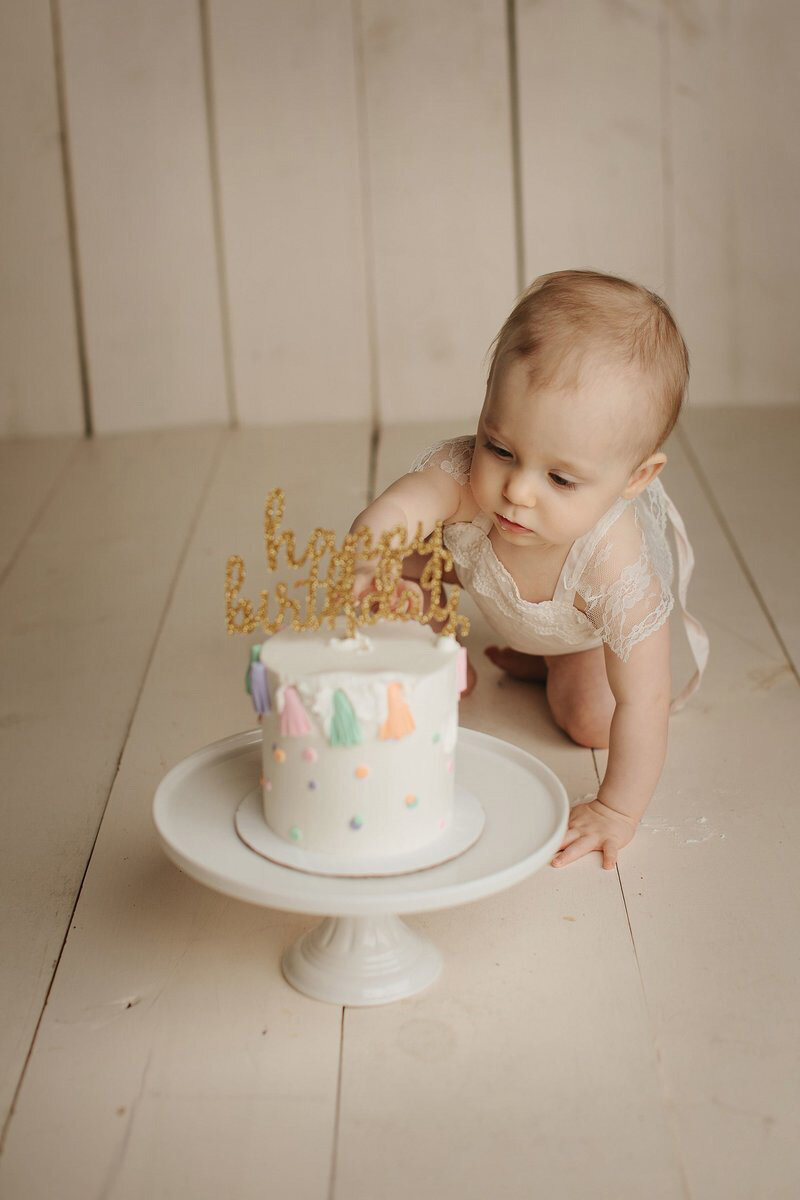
x=345, y=729
x=258, y=688
x=294, y=718
x=461, y=669
x=399, y=721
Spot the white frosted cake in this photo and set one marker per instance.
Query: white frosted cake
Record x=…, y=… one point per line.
x=359, y=736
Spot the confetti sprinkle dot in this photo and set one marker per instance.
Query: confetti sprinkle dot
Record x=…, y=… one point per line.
x=441, y=823
x=310, y=754
x=356, y=822
x=261, y=780
x=362, y=772
x=312, y=783
x=450, y=764
x=437, y=737
x=295, y=834
x=279, y=755
x=268, y=785
x=411, y=801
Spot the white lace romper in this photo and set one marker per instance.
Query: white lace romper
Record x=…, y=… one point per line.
x=621, y=568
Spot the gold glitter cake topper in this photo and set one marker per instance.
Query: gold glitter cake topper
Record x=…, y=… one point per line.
x=380, y=604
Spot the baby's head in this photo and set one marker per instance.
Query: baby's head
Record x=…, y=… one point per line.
x=586, y=382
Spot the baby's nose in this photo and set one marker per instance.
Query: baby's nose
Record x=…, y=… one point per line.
x=520, y=491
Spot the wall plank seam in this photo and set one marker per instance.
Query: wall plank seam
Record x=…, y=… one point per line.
x=72, y=228
x=216, y=210
x=359, y=65
x=667, y=166
x=516, y=164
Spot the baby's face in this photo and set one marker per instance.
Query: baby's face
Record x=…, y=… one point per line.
x=545, y=459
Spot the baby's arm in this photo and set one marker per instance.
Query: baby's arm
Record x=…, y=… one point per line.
x=419, y=497
x=637, y=748
x=628, y=600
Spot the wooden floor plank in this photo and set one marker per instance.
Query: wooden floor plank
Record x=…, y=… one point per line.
x=710, y=883
x=553, y=1049
x=30, y=468
x=172, y=1058
x=531, y=1061
x=79, y=612
x=748, y=457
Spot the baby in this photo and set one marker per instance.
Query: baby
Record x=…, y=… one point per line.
x=556, y=521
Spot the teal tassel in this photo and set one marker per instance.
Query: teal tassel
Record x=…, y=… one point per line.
x=345, y=729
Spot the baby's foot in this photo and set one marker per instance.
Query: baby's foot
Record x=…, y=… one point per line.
x=531, y=667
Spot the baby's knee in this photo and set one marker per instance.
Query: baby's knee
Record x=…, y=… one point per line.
x=595, y=736
x=586, y=726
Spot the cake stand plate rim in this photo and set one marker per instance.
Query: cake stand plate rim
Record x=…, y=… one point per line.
x=208, y=855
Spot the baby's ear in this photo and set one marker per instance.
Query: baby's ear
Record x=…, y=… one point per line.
x=645, y=474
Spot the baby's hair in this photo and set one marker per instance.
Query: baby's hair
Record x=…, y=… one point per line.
x=568, y=317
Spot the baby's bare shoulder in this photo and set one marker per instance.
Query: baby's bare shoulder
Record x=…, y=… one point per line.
x=467, y=508
x=448, y=462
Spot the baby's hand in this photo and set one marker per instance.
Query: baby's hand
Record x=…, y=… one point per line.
x=364, y=582
x=595, y=826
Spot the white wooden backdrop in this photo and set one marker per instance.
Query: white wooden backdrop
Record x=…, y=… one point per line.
x=255, y=211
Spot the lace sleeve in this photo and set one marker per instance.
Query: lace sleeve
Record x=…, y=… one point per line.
x=453, y=456
x=626, y=580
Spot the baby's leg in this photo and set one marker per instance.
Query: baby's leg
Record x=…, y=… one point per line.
x=580, y=697
x=518, y=665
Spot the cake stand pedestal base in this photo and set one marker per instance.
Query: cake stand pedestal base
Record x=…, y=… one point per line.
x=362, y=953
x=361, y=960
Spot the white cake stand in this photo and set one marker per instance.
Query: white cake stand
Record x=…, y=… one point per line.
x=362, y=953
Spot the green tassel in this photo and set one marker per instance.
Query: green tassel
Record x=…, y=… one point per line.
x=345, y=729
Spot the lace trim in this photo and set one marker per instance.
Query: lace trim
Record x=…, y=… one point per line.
x=628, y=600
x=607, y=609
x=473, y=552
x=453, y=456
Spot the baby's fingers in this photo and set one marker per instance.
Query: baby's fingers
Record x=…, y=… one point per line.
x=581, y=845
x=572, y=834
x=362, y=584
x=610, y=851
x=408, y=585
x=402, y=598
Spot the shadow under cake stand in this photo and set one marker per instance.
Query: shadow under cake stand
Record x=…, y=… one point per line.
x=362, y=953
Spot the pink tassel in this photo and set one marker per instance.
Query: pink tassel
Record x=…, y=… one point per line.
x=399, y=721
x=294, y=718
x=461, y=669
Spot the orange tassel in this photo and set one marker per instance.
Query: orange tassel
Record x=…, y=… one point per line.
x=399, y=721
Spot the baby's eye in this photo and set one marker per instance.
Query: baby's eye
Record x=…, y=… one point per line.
x=504, y=454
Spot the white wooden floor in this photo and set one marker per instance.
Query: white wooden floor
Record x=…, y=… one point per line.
x=630, y=1035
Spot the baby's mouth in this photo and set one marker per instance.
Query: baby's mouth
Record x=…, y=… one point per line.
x=512, y=525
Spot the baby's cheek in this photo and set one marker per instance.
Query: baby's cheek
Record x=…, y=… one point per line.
x=478, y=483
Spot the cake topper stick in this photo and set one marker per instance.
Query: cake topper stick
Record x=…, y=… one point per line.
x=393, y=546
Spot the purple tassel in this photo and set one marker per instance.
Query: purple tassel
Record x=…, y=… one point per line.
x=258, y=688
